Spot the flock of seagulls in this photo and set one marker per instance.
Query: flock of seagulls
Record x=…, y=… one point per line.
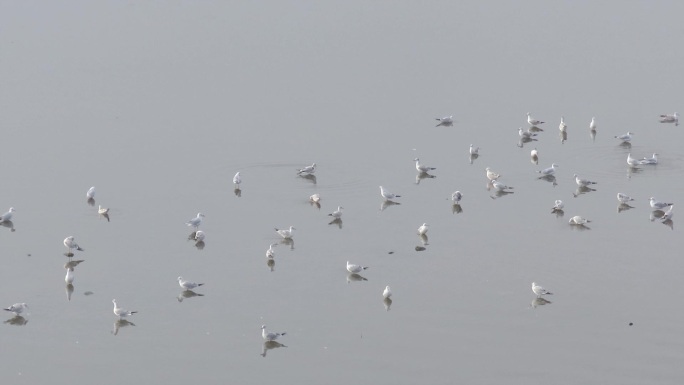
x=665, y=210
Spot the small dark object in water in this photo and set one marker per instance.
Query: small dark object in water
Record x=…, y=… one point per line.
x=630, y=324
x=391, y=252
x=420, y=248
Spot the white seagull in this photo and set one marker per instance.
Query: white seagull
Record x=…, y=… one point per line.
x=270, y=253
x=237, y=180
x=582, y=182
x=674, y=118
x=500, y=186
x=387, y=292
x=17, y=308
x=562, y=126
x=525, y=134
x=196, y=221
x=199, y=236
x=102, y=210
x=337, y=214
x=388, y=196
x=578, y=220
x=532, y=121
x=558, y=205
x=353, y=268
x=539, y=291
x=308, y=169
x=187, y=285
x=445, y=121
x=534, y=154
x=270, y=336
x=6, y=217
x=90, y=194
x=625, y=137
x=422, y=168
x=315, y=198
x=121, y=313
x=285, y=233
x=422, y=230
x=652, y=160
x=491, y=175
x=658, y=205
x=549, y=171
x=592, y=125
x=632, y=162
x=623, y=198
x=71, y=244
x=474, y=150
x=456, y=197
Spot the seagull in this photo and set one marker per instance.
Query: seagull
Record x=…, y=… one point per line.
x=70, y=244
x=355, y=269
x=525, y=134
x=658, y=205
x=625, y=137
x=549, y=171
x=534, y=155
x=286, y=234
x=592, y=125
x=199, y=236
x=456, y=197
x=562, y=126
x=270, y=336
x=622, y=198
x=196, y=221
x=6, y=217
x=491, y=174
x=578, y=220
x=539, y=291
x=533, y=122
x=474, y=150
x=69, y=278
x=632, y=162
x=422, y=168
x=90, y=194
x=388, y=195
x=237, y=180
x=337, y=214
x=651, y=160
x=582, y=182
x=187, y=285
x=270, y=253
x=121, y=313
x=668, y=214
x=387, y=292
x=315, y=198
x=308, y=169
x=446, y=121
x=17, y=308
x=500, y=186
x=423, y=229
x=102, y=210
x=674, y=118
x=558, y=205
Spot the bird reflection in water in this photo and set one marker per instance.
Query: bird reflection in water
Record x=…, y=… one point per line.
x=91, y=201
x=121, y=323
x=288, y=242
x=17, y=320
x=388, y=303
x=456, y=208
x=549, y=178
x=354, y=277
x=386, y=204
x=582, y=190
x=188, y=294
x=592, y=135
x=270, y=262
x=624, y=207
x=237, y=192
x=563, y=136
x=9, y=225
x=424, y=175
x=472, y=158
x=200, y=245
x=73, y=263
x=539, y=302
x=337, y=222
x=423, y=239
x=310, y=177
x=69, y=291
x=268, y=345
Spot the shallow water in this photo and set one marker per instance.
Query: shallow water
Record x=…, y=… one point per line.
x=161, y=114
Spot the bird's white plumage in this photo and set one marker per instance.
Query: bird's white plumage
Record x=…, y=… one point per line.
x=308, y=169
x=388, y=196
x=188, y=285
x=578, y=220
x=655, y=204
x=539, y=291
x=500, y=186
x=558, y=205
x=525, y=134
x=196, y=221
x=474, y=150
x=666, y=118
x=237, y=179
x=532, y=121
x=69, y=278
x=315, y=198
x=199, y=236
x=624, y=198
x=582, y=182
x=562, y=126
x=491, y=175
x=549, y=171
x=423, y=229
x=286, y=233
x=422, y=168
x=270, y=253
x=652, y=160
x=120, y=312
x=387, y=292
x=90, y=194
x=445, y=121
x=456, y=196
x=6, y=217
x=592, y=124
x=354, y=268
x=17, y=308
x=625, y=137
x=71, y=244
x=270, y=336
x=337, y=213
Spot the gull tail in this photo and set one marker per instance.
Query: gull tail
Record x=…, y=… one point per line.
x=397, y=196
x=79, y=248
x=200, y=284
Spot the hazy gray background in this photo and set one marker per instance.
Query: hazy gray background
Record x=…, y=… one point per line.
x=159, y=103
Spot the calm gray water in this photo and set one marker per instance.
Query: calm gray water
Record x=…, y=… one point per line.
x=158, y=104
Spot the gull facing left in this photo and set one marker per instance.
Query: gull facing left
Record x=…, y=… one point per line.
x=187, y=285
x=354, y=268
x=71, y=244
x=422, y=168
x=539, y=291
x=120, y=312
x=270, y=336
